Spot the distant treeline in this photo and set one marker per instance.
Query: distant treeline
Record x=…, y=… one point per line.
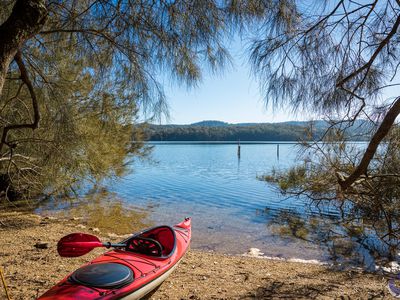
x=220, y=131
x=227, y=132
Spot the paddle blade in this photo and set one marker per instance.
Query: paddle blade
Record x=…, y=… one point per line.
x=77, y=244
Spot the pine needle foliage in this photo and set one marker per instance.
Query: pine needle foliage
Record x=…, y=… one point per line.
x=81, y=72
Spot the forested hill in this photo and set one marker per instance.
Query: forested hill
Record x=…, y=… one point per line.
x=221, y=131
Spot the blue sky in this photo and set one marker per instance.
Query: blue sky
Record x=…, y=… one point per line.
x=232, y=96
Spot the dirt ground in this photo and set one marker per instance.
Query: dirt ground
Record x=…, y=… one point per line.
x=30, y=271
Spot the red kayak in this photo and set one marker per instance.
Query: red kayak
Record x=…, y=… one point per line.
x=133, y=269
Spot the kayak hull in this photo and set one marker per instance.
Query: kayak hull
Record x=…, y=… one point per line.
x=148, y=271
x=148, y=288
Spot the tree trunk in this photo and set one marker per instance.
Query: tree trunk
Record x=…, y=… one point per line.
x=26, y=19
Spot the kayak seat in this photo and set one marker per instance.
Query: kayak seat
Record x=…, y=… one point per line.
x=165, y=235
x=144, y=245
x=103, y=275
x=160, y=242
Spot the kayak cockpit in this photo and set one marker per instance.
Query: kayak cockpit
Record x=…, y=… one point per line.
x=156, y=242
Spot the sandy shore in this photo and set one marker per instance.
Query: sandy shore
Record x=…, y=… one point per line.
x=30, y=271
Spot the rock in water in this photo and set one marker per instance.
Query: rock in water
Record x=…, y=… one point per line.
x=255, y=252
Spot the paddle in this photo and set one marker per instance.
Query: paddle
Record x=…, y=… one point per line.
x=78, y=244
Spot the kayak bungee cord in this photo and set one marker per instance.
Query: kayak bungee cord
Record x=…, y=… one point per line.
x=4, y=284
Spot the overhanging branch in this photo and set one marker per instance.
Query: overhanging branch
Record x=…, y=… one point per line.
x=368, y=65
x=36, y=114
x=377, y=138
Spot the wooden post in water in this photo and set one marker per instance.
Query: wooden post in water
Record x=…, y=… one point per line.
x=238, y=151
x=277, y=151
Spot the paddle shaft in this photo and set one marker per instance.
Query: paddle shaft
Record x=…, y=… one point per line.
x=92, y=244
x=110, y=245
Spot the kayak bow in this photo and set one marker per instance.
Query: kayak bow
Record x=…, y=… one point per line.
x=128, y=272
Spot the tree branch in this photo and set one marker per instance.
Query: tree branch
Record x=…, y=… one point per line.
x=36, y=114
x=377, y=138
x=381, y=45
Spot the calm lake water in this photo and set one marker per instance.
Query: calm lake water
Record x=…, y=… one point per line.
x=232, y=210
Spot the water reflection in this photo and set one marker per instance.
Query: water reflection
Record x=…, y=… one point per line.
x=348, y=241
x=105, y=211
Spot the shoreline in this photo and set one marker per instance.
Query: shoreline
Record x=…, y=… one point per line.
x=256, y=253
x=30, y=271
